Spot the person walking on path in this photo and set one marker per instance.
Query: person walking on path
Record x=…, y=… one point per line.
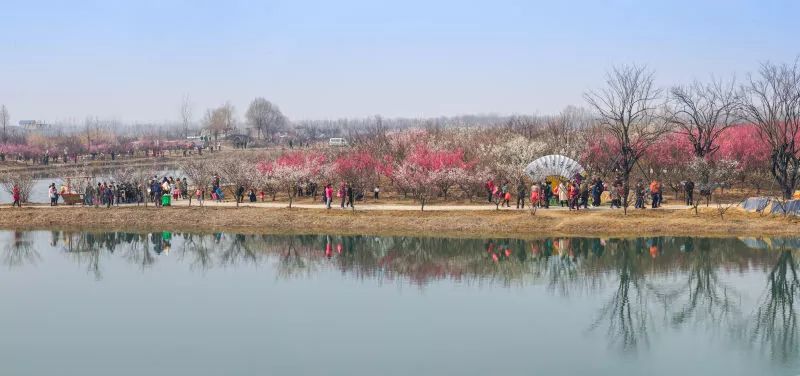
x=53, y=194
x=98, y=195
x=616, y=198
x=521, y=193
x=15, y=194
x=535, y=195
x=689, y=188
x=343, y=194
x=640, y=192
x=572, y=196
x=350, y=196
x=109, y=197
x=157, y=194
x=655, y=192
x=547, y=193
x=87, y=195
x=328, y=195
x=240, y=194
x=490, y=189
x=185, y=190
x=584, y=195
x=597, y=190
x=505, y=195
x=563, y=194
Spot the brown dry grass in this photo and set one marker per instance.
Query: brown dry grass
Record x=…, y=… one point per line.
x=434, y=223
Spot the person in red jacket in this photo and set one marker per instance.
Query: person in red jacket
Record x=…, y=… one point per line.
x=15, y=194
x=572, y=192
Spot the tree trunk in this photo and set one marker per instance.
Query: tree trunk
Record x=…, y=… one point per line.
x=625, y=192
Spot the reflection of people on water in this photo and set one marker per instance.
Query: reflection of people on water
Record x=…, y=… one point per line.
x=654, y=247
x=598, y=246
x=166, y=238
x=162, y=242
x=688, y=245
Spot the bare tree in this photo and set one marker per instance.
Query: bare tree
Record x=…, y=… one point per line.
x=220, y=120
x=237, y=172
x=629, y=110
x=265, y=117
x=772, y=102
x=527, y=126
x=4, y=120
x=563, y=132
x=90, y=125
x=186, y=114
x=199, y=174
x=702, y=112
x=22, y=180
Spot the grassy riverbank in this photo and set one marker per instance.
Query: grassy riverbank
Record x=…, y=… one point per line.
x=394, y=222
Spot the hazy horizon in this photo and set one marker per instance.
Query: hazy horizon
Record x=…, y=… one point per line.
x=134, y=62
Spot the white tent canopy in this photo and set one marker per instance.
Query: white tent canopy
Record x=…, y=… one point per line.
x=554, y=165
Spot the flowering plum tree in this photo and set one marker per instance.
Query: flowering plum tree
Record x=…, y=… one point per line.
x=360, y=168
x=771, y=102
x=509, y=159
x=667, y=160
x=427, y=172
x=416, y=180
x=743, y=144
x=289, y=170
x=712, y=174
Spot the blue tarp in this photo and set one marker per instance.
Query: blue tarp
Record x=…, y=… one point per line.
x=787, y=207
x=755, y=203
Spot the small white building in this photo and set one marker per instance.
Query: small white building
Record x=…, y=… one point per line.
x=38, y=127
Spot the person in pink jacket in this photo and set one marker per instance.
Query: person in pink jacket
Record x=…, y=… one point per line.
x=328, y=195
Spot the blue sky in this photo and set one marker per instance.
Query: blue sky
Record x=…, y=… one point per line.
x=134, y=60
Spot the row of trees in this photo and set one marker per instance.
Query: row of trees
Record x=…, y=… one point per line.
x=715, y=132
x=633, y=115
x=424, y=165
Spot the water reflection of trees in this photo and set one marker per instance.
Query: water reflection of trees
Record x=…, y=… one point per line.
x=19, y=250
x=645, y=284
x=773, y=326
x=626, y=314
x=89, y=248
x=701, y=296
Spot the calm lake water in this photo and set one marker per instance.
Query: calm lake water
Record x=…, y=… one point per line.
x=227, y=304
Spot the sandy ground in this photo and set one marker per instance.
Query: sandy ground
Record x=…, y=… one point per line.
x=377, y=219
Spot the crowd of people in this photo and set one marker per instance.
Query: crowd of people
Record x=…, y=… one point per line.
x=346, y=195
x=159, y=192
x=576, y=193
